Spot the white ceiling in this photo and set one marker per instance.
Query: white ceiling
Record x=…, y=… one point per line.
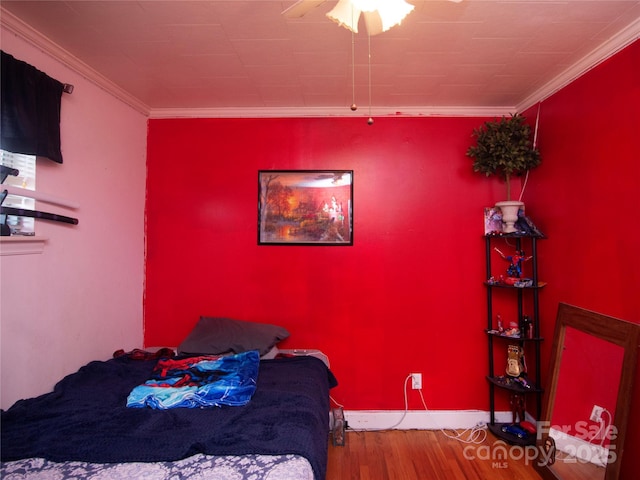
x=170, y=58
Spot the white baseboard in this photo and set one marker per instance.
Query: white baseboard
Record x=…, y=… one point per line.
x=419, y=419
x=582, y=450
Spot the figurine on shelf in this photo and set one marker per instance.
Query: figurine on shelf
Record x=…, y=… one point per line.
x=518, y=407
x=515, y=268
x=515, y=361
x=527, y=327
x=512, y=331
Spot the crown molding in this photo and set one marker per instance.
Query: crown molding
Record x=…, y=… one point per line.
x=606, y=50
x=311, y=112
x=609, y=48
x=38, y=40
x=35, y=38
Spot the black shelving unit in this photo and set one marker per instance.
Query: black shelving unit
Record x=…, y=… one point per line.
x=500, y=383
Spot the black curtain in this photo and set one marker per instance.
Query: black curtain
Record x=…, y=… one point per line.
x=30, y=110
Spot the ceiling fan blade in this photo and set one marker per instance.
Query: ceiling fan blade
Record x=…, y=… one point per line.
x=301, y=7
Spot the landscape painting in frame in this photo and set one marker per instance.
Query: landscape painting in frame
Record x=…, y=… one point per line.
x=305, y=207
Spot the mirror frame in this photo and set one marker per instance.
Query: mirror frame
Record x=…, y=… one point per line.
x=620, y=332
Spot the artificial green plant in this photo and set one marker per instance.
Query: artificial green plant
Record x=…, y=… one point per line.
x=504, y=147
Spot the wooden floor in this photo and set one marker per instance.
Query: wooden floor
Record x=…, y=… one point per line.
x=422, y=454
x=568, y=468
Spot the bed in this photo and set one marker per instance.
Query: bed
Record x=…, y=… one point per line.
x=84, y=429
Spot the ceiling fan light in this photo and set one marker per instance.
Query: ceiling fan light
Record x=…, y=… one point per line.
x=373, y=22
x=393, y=12
x=345, y=14
x=380, y=15
x=366, y=5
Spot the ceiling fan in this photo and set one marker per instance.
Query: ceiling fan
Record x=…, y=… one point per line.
x=379, y=15
x=301, y=7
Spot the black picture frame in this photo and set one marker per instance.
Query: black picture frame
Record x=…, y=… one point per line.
x=305, y=207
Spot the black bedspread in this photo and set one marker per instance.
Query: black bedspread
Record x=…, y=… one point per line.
x=85, y=418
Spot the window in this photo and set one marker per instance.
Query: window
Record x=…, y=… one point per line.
x=26, y=165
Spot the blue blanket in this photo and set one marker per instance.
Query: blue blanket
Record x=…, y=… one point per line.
x=86, y=418
x=193, y=382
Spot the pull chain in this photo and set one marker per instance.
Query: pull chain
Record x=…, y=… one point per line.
x=370, y=121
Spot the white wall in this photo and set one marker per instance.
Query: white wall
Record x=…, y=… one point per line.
x=81, y=299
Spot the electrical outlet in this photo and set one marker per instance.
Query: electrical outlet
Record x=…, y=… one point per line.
x=416, y=381
x=596, y=413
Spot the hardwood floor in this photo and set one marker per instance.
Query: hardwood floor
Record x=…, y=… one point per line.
x=423, y=455
x=569, y=468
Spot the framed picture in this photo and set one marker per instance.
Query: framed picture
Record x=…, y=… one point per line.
x=305, y=207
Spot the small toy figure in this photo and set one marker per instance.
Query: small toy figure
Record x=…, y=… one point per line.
x=515, y=361
x=527, y=326
x=515, y=268
x=513, y=330
x=518, y=407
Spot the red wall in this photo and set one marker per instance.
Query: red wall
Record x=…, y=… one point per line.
x=587, y=192
x=406, y=297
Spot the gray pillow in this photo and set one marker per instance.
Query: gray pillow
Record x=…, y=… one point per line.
x=212, y=336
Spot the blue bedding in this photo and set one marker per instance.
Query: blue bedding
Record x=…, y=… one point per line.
x=86, y=418
x=193, y=382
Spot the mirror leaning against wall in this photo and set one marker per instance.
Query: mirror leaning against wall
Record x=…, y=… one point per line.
x=586, y=409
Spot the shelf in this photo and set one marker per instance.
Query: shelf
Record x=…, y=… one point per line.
x=495, y=333
x=513, y=287
x=514, y=235
x=523, y=306
x=496, y=429
x=513, y=386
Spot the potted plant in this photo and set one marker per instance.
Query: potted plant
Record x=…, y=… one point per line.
x=504, y=147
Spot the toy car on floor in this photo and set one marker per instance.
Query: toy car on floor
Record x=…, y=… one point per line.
x=515, y=429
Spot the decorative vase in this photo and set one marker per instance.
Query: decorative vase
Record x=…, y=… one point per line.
x=509, y=209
